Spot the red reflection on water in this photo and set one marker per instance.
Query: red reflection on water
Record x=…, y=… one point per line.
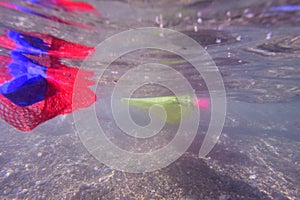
x=51, y=17
x=58, y=47
x=76, y=5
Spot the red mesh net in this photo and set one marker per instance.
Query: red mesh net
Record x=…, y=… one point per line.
x=59, y=96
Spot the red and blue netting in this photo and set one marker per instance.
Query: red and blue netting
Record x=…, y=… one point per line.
x=34, y=85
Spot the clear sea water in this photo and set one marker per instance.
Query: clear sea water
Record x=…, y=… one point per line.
x=256, y=47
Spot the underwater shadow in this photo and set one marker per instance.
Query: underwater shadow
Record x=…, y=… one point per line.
x=199, y=181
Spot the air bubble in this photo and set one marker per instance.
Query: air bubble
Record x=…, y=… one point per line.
x=196, y=28
x=199, y=20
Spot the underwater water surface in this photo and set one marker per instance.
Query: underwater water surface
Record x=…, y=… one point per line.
x=254, y=44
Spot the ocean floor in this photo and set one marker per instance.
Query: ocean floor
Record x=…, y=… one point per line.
x=241, y=166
